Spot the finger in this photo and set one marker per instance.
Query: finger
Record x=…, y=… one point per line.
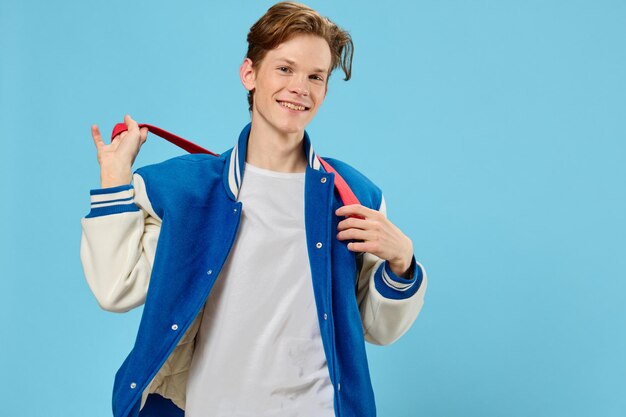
x=132, y=125
x=355, y=234
x=352, y=222
x=362, y=247
x=97, y=137
x=143, y=132
x=356, y=209
x=115, y=141
x=118, y=136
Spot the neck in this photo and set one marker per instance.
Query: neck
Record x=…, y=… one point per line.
x=273, y=150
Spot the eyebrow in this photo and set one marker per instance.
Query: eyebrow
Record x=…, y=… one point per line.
x=290, y=62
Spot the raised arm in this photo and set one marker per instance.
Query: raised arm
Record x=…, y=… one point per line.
x=120, y=234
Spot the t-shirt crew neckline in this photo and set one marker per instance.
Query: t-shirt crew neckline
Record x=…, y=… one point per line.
x=275, y=174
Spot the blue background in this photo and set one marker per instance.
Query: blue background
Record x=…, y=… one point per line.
x=495, y=128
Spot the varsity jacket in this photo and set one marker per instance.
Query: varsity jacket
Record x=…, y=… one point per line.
x=162, y=240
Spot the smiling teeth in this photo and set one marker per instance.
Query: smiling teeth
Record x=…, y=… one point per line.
x=291, y=106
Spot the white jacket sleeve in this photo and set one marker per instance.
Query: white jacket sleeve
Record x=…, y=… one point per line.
x=118, y=244
x=388, y=303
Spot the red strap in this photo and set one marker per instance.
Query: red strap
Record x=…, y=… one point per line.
x=345, y=193
x=175, y=139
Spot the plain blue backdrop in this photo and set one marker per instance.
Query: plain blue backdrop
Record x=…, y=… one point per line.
x=496, y=130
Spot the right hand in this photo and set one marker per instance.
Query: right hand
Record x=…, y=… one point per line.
x=116, y=159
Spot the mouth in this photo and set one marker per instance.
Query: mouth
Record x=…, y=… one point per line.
x=292, y=106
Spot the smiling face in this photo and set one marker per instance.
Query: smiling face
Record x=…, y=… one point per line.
x=289, y=84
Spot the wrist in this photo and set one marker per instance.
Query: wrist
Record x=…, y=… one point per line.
x=107, y=181
x=402, y=267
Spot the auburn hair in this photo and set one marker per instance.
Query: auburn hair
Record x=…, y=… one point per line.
x=287, y=19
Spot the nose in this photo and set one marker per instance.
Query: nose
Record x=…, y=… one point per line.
x=301, y=91
x=299, y=87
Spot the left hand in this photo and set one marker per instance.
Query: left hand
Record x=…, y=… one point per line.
x=377, y=235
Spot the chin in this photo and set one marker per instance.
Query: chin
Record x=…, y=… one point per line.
x=290, y=128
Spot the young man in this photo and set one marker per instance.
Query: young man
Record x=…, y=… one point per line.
x=259, y=290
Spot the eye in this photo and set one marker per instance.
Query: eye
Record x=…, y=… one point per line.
x=283, y=69
x=317, y=77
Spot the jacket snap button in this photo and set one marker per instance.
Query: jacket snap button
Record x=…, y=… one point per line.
x=133, y=385
x=174, y=326
x=325, y=316
x=318, y=245
x=209, y=272
x=234, y=210
x=323, y=180
x=338, y=387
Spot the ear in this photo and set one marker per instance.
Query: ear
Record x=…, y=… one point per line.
x=247, y=74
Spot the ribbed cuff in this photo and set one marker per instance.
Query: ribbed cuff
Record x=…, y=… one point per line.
x=390, y=285
x=112, y=200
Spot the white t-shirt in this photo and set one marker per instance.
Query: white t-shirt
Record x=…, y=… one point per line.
x=259, y=351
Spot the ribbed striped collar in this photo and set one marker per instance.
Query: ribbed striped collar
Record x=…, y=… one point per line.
x=237, y=161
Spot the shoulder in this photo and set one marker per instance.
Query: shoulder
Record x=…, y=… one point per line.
x=184, y=162
x=368, y=193
x=182, y=168
x=187, y=178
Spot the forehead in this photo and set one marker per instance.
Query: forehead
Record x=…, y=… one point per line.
x=309, y=52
